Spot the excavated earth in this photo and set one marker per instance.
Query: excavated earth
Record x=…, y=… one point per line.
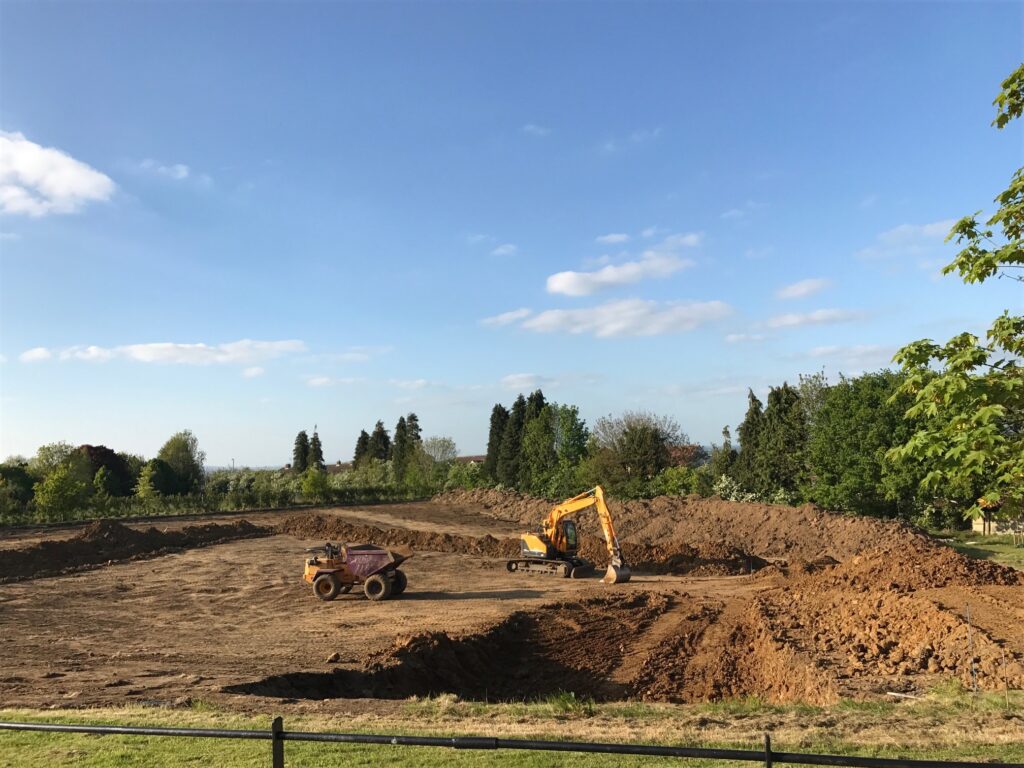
x=727, y=599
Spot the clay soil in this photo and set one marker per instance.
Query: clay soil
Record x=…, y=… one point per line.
x=788, y=604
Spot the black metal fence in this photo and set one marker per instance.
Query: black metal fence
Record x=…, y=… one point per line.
x=277, y=736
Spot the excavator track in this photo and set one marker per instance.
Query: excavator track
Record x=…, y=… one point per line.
x=563, y=568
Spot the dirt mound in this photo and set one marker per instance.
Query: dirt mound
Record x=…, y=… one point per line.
x=509, y=506
x=328, y=528
x=914, y=565
x=106, y=541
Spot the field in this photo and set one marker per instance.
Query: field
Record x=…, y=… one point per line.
x=740, y=618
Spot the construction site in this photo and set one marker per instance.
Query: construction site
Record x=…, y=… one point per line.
x=726, y=601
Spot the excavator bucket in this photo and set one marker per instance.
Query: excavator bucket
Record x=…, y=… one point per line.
x=616, y=574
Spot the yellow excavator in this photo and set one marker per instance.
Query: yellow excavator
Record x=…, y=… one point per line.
x=552, y=549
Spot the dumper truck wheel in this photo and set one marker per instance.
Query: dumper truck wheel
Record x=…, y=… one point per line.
x=326, y=586
x=399, y=583
x=377, y=587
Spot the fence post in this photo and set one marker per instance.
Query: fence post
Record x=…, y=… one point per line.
x=276, y=743
x=767, y=750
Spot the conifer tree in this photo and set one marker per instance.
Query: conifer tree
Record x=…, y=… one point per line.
x=380, y=443
x=745, y=467
x=401, y=449
x=412, y=423
x=499, y=418
x=362, y=448
x=315, y=460
x=300, y=452
x=510, y=453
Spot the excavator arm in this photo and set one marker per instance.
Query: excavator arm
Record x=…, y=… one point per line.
x=618, y=572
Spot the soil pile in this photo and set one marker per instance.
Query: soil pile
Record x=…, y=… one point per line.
x=334, y=529
x=106, y=541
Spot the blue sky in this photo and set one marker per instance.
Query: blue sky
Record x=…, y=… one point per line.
x=250, y=218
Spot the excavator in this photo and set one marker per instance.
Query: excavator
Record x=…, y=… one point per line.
x=552, y=549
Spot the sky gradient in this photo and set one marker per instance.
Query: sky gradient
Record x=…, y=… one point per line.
x=249, y=218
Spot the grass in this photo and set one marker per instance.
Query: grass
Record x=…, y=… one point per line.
x=999, y=549
x=947, y=723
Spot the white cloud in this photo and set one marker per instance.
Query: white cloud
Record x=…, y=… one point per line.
x=733, y=213
x=803, y=288
x=638, y=136
x=817, y=317
x=35, y=355
x=244, y=352
x=742, y=212
x=859, y=357
x=525, y=381
x=253, y=372
x=649, y=232
x=3, y=359
x=756, y=254
x=909, y=241
x=177, y=171
x=738, y=338
x=9, y=236
x=506, y=317
x=327, y=381
x=410, y=383
x=611, y=239
x=475, y=238
x=659, y=261
x=535, y=130
x=868, y=201
x=37, y=180
x=629, y=317
x=506, y=249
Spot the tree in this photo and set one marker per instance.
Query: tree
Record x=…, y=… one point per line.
x=499, y=419
x=300, y=452
x=534, y=405
x=632, y=449
x=968, y=394
x=316, y=485
x=315, y=458
x=780, y=464
x=441, y=449
x=412, y=423
x=571, y=434
x=723, y=458
x=49, y=457
x=157, y=479
x=509, y=455
x=859, y=420
x=60, y=493
x=401, y=448
x=362, y=448
x=182, y=454
x=539, y=457
x=746, y=467
x=119, y=480
x=379, y=446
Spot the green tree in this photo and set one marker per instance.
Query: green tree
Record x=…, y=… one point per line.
x=362, y=448
x=379, y=446
x=49, y=457
x=499, y=420
x=723, y=458
x=539, y=457
x=510, y=454
x=157, y=478
x=315, y=457
x=571, y=434
x=300, y=452
x=60, y=493
x=182, y=454
x=781, y=457
x=18, y=481
x=746, y=467
x=119, y=480
x=401, y=449
x=316, y=485
x=968, y=394
x=857, y=422
x=412, y=423
x=534, y=405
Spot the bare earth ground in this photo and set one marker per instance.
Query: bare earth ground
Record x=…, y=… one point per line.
x=233, y=624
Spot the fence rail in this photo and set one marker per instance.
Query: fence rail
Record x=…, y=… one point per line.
x=278, y=736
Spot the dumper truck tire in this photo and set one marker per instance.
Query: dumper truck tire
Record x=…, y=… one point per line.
x=377, y=587
x=326, y=586
x=399, y=583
